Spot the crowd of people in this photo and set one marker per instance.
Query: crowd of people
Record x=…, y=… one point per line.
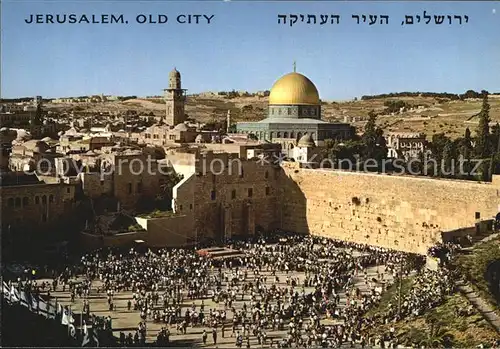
x=279, y=294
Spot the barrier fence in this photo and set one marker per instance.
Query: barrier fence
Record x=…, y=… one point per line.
x=88, y=334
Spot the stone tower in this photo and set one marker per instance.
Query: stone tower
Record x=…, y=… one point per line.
x=175, y=99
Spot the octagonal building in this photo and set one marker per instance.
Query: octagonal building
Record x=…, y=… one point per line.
x=294, y=111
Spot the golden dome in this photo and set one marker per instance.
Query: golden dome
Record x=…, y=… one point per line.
x=294, y=89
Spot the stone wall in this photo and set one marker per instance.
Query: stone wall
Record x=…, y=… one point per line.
x=134, y=176
x=92, y=242
x=95, y=184
x=173, y=231
x=400, y=212
x=234, y=201
x=37, y=205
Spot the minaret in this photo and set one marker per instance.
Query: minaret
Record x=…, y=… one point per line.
x=228, y=121
x=294, y=66
x=175, y=99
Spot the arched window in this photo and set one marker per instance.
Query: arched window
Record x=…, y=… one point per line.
x=44, y=199
x=51, y=198
x=18, y=202
x=271, y=135
x=37, y=200
x=25, y=201
x=299, y=134
x=278, y=134
x=285, y=134
x=292, y=134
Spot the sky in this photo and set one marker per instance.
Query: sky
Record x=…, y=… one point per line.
x=244, y=48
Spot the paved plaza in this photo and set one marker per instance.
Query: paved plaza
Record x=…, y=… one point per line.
x=124, y=320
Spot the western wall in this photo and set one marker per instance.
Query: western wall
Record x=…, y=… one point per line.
x=402, y=212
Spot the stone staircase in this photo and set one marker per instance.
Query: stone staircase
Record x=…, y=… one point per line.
x=486, y=310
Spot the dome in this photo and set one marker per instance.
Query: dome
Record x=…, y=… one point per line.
x=36, y=146
x=181, y=127
x=294, y=89
x=306, y=141
x=174, y=73
x=23, y=135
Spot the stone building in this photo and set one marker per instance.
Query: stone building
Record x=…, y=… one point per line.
x=128, y=176
x=33, y=155
x=405, y=145
x=28, y=202
x=226, y=196
x=294, y=111
x=161, y=135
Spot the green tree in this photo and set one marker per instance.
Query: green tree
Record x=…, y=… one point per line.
x=448, y=158
x=495, y=148
x=465, y=150
x=373, y=140
x=437, y=146
x=165, y=195
x=482, y=148
x=438, y=336
x=338, y=151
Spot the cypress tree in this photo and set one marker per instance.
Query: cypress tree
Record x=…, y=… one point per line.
x=482, y=148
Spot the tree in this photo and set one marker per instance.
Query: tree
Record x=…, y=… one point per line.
x=437, y=146
x=495, y=148
x=482, y=148
x=438, y=336
x=165, y=195
x=348, y=150
x=373, y=139
x=465, y=149
x=448, y=157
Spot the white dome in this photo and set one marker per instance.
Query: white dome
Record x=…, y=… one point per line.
x=181, y=127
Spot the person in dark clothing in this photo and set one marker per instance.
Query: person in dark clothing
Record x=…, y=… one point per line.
x=214, y=335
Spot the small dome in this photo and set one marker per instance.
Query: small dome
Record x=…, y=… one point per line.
x=47, y=139
x=3, y=129
x=60, y=133
x=181, y=127
x=306, y=141
x=23, y=135
x=36, y=146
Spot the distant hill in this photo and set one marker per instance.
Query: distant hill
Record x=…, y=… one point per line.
x=420, y=111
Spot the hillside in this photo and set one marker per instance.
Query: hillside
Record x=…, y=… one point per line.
x=434, y=115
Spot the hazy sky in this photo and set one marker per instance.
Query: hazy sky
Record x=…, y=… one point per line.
x=246, y=49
